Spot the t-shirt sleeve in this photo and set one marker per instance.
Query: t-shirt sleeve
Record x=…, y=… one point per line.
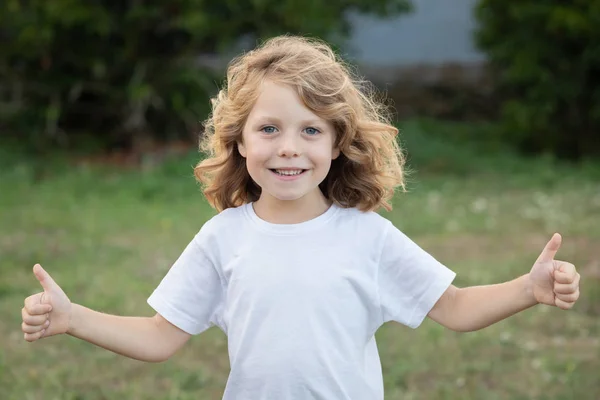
x=190, y=294
x=410, y=280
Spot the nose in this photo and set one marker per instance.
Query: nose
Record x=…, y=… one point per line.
x=289, y=146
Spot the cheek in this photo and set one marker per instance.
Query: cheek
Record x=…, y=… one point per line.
x=324, y=156
x=257, y=155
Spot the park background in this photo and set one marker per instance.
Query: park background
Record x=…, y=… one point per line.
x=498, y=106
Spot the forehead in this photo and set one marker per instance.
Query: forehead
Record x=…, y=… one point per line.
x=281, y=101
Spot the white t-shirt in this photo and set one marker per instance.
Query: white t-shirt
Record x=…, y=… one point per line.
x=300, y=303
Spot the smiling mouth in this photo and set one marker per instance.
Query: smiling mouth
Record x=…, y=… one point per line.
x=288, y=172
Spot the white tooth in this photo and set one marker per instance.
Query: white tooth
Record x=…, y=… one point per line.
x=288, y=172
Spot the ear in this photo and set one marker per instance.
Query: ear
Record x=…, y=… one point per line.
x=241, y=148
x=335, y=153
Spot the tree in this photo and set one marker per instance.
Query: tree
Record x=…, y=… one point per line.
x=547, y=56
x=114, y=73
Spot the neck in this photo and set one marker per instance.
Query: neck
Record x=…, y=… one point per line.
x=278, y=211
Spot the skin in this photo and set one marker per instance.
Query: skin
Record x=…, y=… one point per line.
x=282, y=133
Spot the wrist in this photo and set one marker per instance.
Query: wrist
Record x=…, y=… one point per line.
x=74, y=318
x=528, y=289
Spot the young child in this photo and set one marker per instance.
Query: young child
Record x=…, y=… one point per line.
x=297, y=268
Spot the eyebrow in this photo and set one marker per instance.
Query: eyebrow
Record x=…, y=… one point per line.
x=275, y=120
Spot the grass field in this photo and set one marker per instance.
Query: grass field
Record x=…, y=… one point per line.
x=108, y=236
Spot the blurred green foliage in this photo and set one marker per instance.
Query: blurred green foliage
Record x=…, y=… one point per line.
x=116, y=73
x=547, y=56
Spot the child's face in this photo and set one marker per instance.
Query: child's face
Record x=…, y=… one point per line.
x=288, y=148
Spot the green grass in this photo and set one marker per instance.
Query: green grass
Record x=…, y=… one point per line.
x=108, y=236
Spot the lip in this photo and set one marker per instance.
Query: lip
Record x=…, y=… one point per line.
x=289, y=168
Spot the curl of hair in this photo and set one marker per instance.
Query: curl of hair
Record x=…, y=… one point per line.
x=371, y=164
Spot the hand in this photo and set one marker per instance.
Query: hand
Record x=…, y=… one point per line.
x=555, y=283
x=46, y=313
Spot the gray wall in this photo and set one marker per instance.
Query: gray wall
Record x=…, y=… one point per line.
x=436, y=32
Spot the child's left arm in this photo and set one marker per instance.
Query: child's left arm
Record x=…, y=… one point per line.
x=550, y=282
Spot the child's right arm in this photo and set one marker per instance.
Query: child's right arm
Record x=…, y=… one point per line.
x=152, y=339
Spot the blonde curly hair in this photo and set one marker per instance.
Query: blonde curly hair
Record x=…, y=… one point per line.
x=370, y=165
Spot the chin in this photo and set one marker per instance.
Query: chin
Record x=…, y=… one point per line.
x=289, y=197
x=286, y=196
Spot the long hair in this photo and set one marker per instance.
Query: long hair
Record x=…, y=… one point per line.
x=370, y=165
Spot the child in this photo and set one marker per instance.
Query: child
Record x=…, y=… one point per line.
x=297, y=268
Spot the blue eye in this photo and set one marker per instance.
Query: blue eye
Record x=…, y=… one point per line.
x=312, y=131
x=269, y=129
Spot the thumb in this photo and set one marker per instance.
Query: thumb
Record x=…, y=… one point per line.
x=551, y=249
x=44, y=278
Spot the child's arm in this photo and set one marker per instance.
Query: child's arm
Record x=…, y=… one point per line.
x=151, y=339
x=476, y=307
x=550, y=282
x=51, y=313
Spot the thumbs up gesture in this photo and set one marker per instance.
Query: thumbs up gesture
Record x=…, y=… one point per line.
x=555, y=283
x=46, y=313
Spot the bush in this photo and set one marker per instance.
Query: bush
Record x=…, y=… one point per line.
x=116, y=73
x=547, y=58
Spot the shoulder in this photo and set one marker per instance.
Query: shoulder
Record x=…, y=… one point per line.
x=227, y=222
x=229, y=216
x=365, y=229
x=376, y=229
x=363, y=219
x=226, y=218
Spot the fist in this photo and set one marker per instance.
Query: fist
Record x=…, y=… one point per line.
x=554, y=282
x=45, y=313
